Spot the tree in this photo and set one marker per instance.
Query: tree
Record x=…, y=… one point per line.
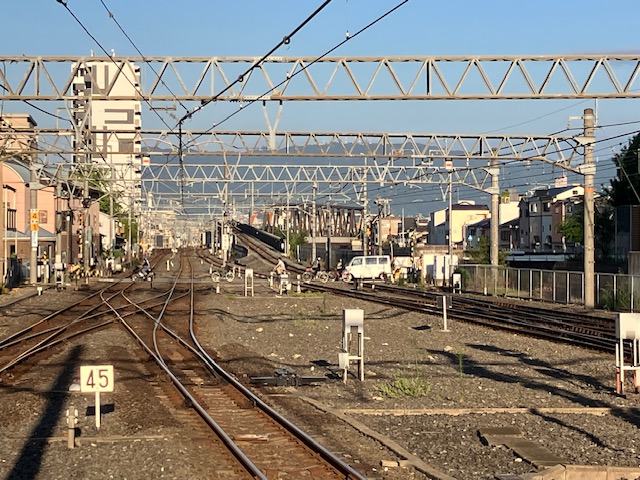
x=481, y=254
x=572, y=227
x=625, y=187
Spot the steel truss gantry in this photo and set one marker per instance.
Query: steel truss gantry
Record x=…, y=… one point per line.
x=213, y=159
x=281, y=78
x=200, y=79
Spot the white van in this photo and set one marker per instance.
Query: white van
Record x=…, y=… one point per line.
x=371, y=266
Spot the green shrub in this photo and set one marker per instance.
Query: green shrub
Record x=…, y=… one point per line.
x=405, y=387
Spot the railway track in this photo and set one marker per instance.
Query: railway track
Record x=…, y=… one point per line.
x=251, y=439
x=243, y=422
x=578, y=328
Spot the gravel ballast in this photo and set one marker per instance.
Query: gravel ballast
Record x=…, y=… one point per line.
x=460, y=382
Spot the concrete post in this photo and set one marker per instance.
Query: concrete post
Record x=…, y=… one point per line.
x=495, y=220
x=314, y=220
x=589, y=209
x=33, y=205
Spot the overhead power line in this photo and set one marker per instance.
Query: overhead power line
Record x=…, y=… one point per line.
x=285, y=41
x=112, y=16
x=110, y=56
x=302, y=69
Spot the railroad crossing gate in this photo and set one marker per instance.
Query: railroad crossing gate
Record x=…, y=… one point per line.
x=352, y=321
x=627, y=333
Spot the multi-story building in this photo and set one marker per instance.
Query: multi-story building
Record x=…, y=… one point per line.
x=508, y=230
x=107, y=115
x=42, y=216
x=462, y=214
x=542, y=213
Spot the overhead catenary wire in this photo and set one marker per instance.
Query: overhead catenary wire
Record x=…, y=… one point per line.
x=111, y=57
x=261, y=97
x=285, y=41
x=189, y=114
x=112, y=16
x=65, y=2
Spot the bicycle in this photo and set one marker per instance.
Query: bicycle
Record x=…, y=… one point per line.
x=309, y=275
x=229, y=276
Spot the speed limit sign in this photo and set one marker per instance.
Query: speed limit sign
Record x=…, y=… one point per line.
x=96, y=378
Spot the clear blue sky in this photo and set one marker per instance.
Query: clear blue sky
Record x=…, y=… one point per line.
x=250, y=27
x=420, y=27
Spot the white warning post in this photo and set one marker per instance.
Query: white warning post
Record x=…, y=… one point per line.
x=96, y=379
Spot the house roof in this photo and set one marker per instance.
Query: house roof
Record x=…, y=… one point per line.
x=552, y=192
x=21, y=167
x=43, y=234
x=468, y=207
x=486, y=223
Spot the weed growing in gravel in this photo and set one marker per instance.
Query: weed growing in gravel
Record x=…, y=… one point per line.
x=414, y=385
x=308, y=294
x=405, y=387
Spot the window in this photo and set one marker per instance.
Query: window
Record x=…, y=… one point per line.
x=384, y=260
x=357, y=261
x=370, y=260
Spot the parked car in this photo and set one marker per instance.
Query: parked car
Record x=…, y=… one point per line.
x=369, y=267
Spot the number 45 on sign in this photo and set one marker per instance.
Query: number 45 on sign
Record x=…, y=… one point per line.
x=96, y=379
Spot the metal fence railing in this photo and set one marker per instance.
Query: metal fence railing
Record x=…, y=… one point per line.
x=613, y=291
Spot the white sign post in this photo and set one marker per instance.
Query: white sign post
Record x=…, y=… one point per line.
x=444, y=301
x=96, y=379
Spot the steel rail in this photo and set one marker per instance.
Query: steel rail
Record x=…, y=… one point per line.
x=312, y=444
x=251, y=468
x=478, y=317
x=51, y=316
x=53, y=343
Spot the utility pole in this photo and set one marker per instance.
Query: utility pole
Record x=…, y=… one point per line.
x=314, y=219
x=495, y=210
x=60, y=216
x=449, y=166
x=288, y=227
x=129, y=235
x=589, y=209
x=33, y=205
x=3, y=226
x=495, y=219
x=86, y=226
x=329, y=232
x=365, y=234
x=383, y=204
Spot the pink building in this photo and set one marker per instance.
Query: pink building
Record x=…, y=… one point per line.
x=54, y=219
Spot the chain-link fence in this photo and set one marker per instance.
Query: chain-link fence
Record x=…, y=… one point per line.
x=618, y=292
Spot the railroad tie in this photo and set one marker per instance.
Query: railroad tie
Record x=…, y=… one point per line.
x=528, y=450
